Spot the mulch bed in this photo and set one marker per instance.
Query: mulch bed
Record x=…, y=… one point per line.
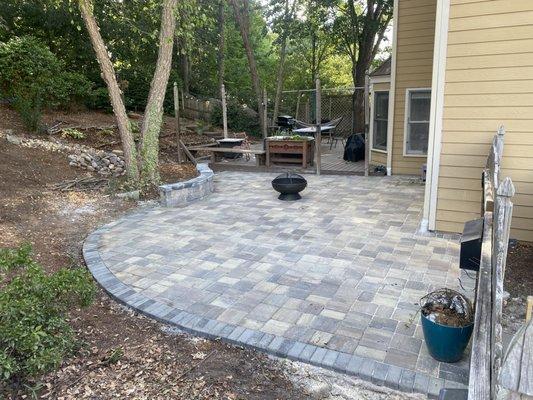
x=127, y=356
x=519, y=284
x=519, y=270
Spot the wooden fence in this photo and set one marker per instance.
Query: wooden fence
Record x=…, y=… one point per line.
x=491, y=374
x=196, y=109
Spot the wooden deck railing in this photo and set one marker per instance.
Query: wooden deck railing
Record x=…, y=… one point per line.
x=487, y=381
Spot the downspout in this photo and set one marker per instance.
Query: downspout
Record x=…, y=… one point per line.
x=429, y=217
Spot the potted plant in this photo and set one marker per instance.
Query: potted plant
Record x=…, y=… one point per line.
x=447, y=318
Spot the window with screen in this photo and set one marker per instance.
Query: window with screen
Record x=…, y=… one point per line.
x=417, y=126
x=381, y=116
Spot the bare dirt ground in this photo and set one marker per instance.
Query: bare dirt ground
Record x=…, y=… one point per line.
x=122, y=355
x=100, y=130
x=519, y=284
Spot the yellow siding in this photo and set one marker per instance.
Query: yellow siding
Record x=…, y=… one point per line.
x=414, y=68
x=380, y=86
x=489, y=81
x=378, y=158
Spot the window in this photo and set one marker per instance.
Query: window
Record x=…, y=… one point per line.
x=417, y=121
x=381, y=116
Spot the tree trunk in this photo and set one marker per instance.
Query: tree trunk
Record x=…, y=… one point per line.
x=186, y=73
x=109, y=76
x=243, y=20
x=279, y=81
x=184, y=66
x=153, y=114
x=281, y=67
x=366, y=33
x=358, y=102
x=313, y=59
x=364, y=58
x=221, y=44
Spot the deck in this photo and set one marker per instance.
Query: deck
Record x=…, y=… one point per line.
x=332, y=163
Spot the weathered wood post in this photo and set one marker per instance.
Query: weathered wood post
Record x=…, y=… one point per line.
x=224, y=110
x=265, y=113
x=529, y=308
x=318, y=136
x=177, y=117
x=503, y=212
x=367, y=121
x=516, y=376
x=298, y=104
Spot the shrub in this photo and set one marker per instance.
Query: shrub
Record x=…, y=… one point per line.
x=73, y=87
x=240, y=119
x=33, y=78
x=14, y=258
x=73, y=133
x=99, y=100
x=34, y=333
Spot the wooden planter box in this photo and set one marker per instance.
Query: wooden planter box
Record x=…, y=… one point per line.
x=299, y=151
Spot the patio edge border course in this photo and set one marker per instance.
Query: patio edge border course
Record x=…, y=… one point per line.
x=376, y=372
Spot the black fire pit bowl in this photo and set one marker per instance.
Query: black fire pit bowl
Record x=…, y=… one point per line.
x=289, y=185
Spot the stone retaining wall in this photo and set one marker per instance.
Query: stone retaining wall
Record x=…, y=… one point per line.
x=181, y=193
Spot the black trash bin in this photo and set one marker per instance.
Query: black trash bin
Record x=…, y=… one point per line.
x=355, y=148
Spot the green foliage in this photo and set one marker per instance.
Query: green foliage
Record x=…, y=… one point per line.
x=34, y=333
x=114, y=356
x=99, y=100
x=30, y=110
x=33, y=78
x=74, y=88
x=14, y=258
x=316, y=35
x=240, y=119
x=73, y=133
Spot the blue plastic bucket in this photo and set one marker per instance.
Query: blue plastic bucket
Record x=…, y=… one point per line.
x=446, y=343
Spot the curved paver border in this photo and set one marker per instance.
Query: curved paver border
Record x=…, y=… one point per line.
x=181, y=193
x=367, y=369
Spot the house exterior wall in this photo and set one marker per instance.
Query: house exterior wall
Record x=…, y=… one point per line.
x=488, y=82
x=377, y=157
x=415, y=37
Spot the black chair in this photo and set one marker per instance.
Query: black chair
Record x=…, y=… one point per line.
x=333, y=136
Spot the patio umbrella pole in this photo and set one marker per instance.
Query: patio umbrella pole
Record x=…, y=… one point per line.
x=224, y=110
x=318, y=138
x=367, y=121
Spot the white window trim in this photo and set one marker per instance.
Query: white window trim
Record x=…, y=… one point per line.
x=372, y=108
x=405, y=122
x=392, y=90
x=380, y=79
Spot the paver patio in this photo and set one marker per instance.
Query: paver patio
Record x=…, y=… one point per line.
x=333, y=279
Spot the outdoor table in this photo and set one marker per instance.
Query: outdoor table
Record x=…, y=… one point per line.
x=311, y=130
